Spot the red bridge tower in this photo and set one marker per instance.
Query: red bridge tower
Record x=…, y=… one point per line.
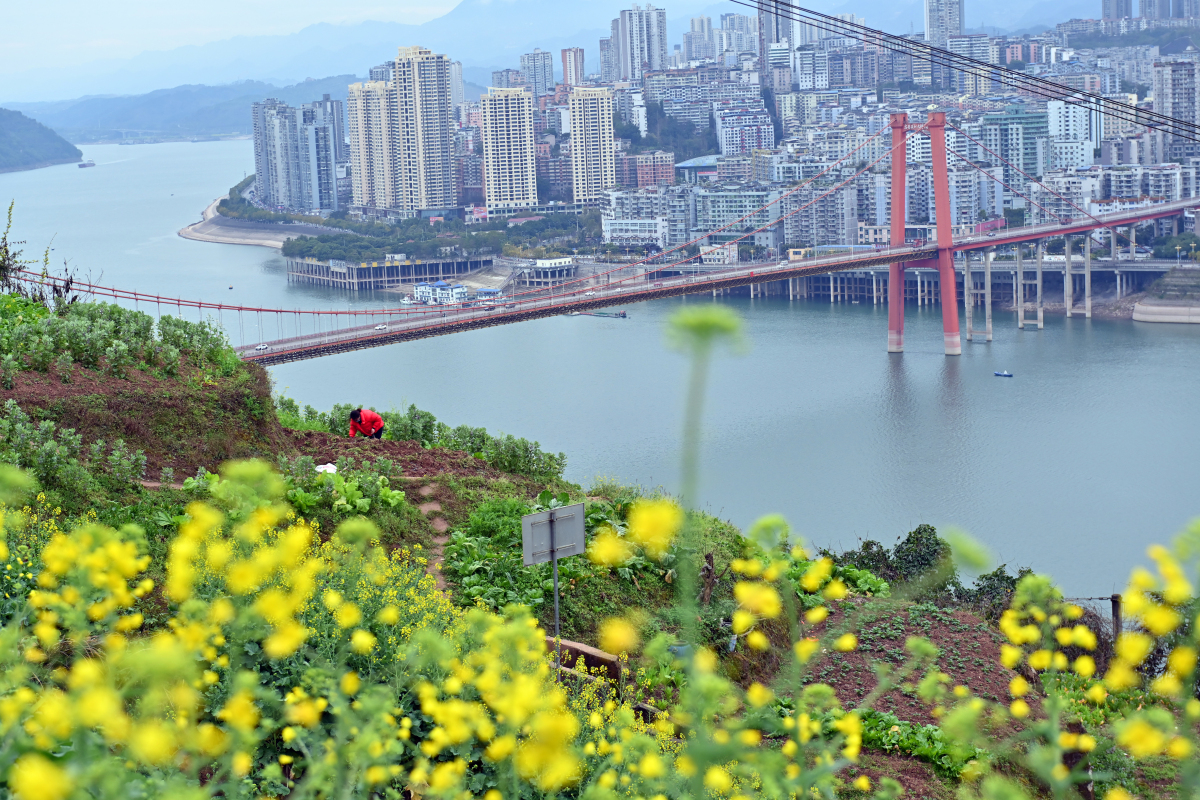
x=936, y=128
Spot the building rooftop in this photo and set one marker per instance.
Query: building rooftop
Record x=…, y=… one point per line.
x=699, y=161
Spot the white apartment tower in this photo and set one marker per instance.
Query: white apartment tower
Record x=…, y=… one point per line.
x=509, y=166
x=593, y=148
x=457, y=95
x=572, y=63
x=297, y=152
x=639, y=42
x=1177, y=90
x=423, y=121
x=369, y=108
x=943, y=19
x=400, y=136
x=774, y=27
x=538, y=69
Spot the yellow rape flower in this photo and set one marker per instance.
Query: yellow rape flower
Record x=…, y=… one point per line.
x=618, y=636
x=845, y=643
x=35, y=777
x=805, y=648
x=609, y=549
x=240, y=712
x=718, y=780
x=653, y=524
x=758, y=695
x=758, y=598
x=1141, y=739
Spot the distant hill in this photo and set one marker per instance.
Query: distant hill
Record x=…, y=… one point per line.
x=28, y=144
x=184, y=111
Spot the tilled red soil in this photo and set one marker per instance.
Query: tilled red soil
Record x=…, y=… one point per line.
x=969, y=654
x=45, y=387
x=413, y=460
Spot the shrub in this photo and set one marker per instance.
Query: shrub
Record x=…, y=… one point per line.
x=64, y=366
x=8, y=371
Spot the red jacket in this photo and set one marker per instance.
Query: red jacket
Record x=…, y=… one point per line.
x=370, y=423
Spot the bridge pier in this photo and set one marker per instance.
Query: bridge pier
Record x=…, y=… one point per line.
x=1041, y=252
x=1068, y=281
x=987, y=290
x=1087, y=276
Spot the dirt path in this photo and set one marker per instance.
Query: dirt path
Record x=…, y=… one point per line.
x=441, y=528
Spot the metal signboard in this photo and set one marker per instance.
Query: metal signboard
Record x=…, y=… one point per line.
x=549, y=536
x=553, y=534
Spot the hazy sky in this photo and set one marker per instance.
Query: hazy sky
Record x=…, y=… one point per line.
x=67, y=32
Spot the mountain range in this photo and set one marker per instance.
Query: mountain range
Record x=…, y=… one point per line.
x=483, y=34
x=182, y=112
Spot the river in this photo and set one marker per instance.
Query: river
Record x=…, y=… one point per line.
x=1072, y=467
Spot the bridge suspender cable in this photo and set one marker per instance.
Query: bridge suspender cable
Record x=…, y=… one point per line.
x=973, y=165
x=1086, y=213
x=1034, y=85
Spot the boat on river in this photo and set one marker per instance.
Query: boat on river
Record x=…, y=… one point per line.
x=1004, y=374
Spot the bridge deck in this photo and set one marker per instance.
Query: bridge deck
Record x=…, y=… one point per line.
x=424, y=322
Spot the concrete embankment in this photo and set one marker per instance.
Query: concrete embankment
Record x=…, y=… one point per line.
x=1166, y=311
x=216, y=228
x=1175, y=297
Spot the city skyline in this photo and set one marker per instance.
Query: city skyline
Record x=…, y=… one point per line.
x=330, y=49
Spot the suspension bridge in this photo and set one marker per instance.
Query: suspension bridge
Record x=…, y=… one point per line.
x=316, y=333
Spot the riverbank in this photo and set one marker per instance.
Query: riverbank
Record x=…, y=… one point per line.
x=222, y=230
x=41, y=164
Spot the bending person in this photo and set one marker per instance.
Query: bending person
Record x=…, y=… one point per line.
x=366, y=422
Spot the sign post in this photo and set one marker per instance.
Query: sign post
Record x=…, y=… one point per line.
x=548, y=536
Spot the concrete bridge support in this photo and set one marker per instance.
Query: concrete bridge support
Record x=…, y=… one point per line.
x=971, y=295
x=1087, y=276
x=1068, y=280
x=1041, y=253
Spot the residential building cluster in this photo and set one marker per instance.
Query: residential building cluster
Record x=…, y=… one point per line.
x=783, y=100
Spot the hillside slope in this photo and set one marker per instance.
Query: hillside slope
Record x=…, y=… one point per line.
x=28, y=144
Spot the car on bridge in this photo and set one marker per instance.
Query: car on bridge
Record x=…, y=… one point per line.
x=382, y=327
x=263, y=347
x=589, y=294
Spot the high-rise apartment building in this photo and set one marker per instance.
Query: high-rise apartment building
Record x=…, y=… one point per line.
x=608, y=60
x=381, y=73
x=538, y=68
x=572, y=63
x=774, y=27
x=943, y=19
x=593, y=148
x=457, y=93
x=639, y=42
x=1177, y=90
x=423, y=120
x=297, y=152
x=698, y=42
x=401, y=145
x=1116, y=9
x=508, y=79
x=373, y=167
x=509, y=157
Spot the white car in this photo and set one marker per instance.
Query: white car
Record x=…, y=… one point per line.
x=382, y=327
x=263, y=347
x=589, y=294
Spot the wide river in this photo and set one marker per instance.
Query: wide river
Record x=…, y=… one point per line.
x=1072, y=467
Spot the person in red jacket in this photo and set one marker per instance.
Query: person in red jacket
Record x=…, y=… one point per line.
x=366, y=422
